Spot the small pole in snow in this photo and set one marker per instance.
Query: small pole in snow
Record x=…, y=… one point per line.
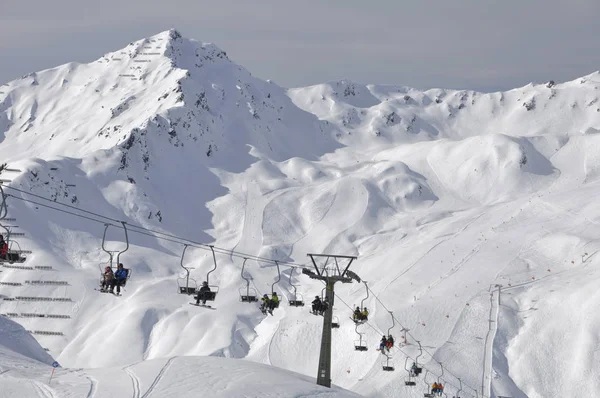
x=54, y=366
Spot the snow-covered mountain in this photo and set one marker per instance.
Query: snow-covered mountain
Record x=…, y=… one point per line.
x=442, y=194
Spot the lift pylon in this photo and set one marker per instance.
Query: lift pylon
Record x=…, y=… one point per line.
x=330, y=275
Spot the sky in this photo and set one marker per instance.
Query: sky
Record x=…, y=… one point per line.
x=484, y=45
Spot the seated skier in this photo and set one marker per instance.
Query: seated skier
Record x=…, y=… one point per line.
x=107, y=279
x=324, y=306
x=3, y=248
x=274, y=302
x=264, y=303
x=202, y=293
x=356, y=315
x=382, y=344
x=415, y=370
x=364, y=315
x=440, y=389
x=316, y=305
x=119, y=279
x=390, y=342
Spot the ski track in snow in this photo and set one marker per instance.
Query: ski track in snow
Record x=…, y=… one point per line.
x=135, y=382
x=93, y=387
x=158, y=377
x=489, y=340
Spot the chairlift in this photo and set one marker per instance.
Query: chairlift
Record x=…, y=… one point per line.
x=14, y=252
x=389, y=331
x=335, y=322
x=212, y=294
x=440, y=379
x=428, y=392
x=186, y=284
x=111, y=253
x=361, y=318
x=247, y=294
x=410, y=380
x=274, y=283
x=418, y=369
x=460, y=388
x=298, y=300
x=388, y=364
x=360, y=344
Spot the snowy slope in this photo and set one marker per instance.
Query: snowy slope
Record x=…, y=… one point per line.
x=442, y=195
x=25, y=372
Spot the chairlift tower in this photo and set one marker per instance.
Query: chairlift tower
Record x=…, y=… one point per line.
x=330, y=275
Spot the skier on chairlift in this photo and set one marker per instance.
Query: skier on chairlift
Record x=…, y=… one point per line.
x=3, y=248
x=119, y=279
x=316, y=305
x=382, y=344
x=356, y=315
x=324, y=306
x=274, y=302
x=390, y=343
x=264, y=303
x=414, y=370
x=202, y=293
x=107, y=279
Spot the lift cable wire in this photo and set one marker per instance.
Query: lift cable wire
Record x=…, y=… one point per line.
x=379, y=332
x=413, y=337
x=180, y=240
x=149, y=232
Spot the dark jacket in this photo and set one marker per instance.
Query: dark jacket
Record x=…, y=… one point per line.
x=121, y=274
x=204, y=289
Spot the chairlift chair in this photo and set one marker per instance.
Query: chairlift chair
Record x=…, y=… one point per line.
x=186, y=284
x=388, y=364
x=214, y=290
x=298, y=299
x=460, y=388
x=111, y=254
x=409, y=381
x=362, y=308
x=273, y=286
x=335, y=322
x=247, y=294
x=360, y=344
x=428, y=393
x=14, y=255
x=418, y=369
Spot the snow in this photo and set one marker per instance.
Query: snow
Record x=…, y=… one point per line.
x=442, y=195
x=26, y=371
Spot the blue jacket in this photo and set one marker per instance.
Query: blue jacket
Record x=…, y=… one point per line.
x=121, y=274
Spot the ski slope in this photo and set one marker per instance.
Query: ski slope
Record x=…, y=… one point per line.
x=26, y=371
x=471, y=215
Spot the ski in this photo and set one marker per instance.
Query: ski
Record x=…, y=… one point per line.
x=203, y=305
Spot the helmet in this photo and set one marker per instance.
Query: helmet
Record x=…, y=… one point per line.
x=317, y=297
x=265, y=296
x=204, y=283
x=120, y=265
x=107, y=268
x=274, y=293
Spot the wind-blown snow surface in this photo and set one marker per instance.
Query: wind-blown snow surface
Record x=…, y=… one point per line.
x=441, y=194
x=25, y=371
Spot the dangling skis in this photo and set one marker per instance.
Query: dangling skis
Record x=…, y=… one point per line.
x=203, y=305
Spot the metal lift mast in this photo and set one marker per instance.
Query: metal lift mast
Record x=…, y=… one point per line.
x=330, y=275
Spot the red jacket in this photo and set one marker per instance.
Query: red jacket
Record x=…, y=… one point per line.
x=4, y=249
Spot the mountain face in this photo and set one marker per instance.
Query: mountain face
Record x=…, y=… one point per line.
x=440, y=193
